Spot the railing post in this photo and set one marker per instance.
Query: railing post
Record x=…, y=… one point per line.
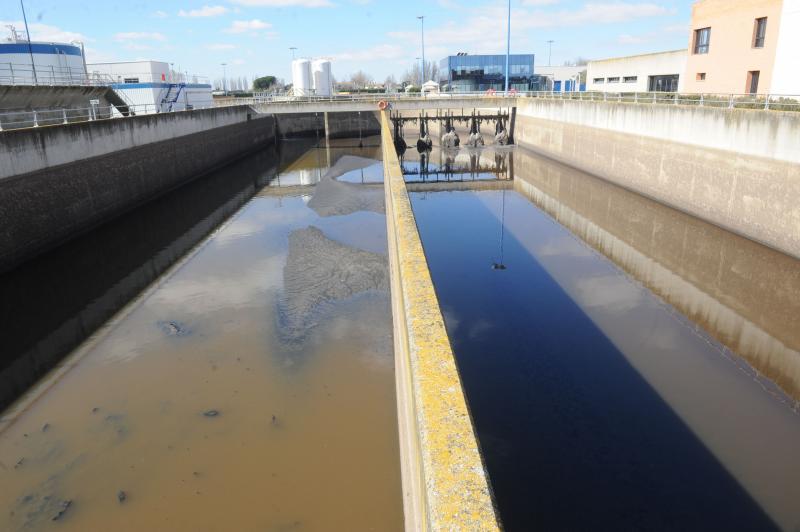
x=11, y=69
x=701, y=100
x=64, y=115
x=52, y=75
x=635, y=97
x=766, y=102
x=35, y=119
x=730, y=101
x=654, y=98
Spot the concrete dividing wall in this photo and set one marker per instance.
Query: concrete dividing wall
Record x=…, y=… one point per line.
x=339, y=124
x=56, y=182
x=445, y=484
x=675, y=155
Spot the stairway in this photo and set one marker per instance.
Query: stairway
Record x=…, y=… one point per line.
x=173, y=93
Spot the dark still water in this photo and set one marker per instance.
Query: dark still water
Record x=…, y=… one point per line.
x=590, y=345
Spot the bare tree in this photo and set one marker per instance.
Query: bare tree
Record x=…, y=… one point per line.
x=578, y=61
x=361, y=79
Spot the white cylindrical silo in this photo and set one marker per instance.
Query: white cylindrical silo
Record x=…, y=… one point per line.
x=302, y=82
x=323, y=81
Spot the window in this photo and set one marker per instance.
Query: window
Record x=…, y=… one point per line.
x=630, y=79
x=760, y=32
x=701, y=76
x=752, y=81
x=613, y=80
x=667, y=83
x=702, y=40
x=599, y=80
x=131, y=80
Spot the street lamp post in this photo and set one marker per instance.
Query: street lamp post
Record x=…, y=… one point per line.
x=293, y=48
x=550, y=53
x=224, y=78
x=422, y=21
x=508, y=45
x=30, y=46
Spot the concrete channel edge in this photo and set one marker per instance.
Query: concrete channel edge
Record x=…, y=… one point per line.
x=445, y=484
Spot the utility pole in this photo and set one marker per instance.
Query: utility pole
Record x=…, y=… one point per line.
x=422, y=21
x=30, y=47
x=224, y=77
x=550, y=53
x=508, y=45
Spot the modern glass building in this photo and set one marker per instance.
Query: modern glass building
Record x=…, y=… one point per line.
x=477, y=73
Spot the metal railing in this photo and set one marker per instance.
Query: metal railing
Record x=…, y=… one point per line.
x=52, y=117
x=36, y=118
x=769, y=102
x=773, y=102
x=25, y=74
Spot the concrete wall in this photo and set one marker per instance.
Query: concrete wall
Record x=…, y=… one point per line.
x=639, y=66
x=339, y=124
x=736, y=169
x=56, y=182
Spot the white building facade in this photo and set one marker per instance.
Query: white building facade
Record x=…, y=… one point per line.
x=155, y=86
x=564, y=78
x=659, y=72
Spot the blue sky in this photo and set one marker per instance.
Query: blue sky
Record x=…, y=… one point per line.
x=380, y=37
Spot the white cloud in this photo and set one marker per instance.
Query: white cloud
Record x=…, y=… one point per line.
x=631, y=39
x=160, y=14
x=244, y=26
x=139, y=36
x=540, y=2
x=205, y=11
x=284, y=3
x=45, y=32
x=220, y=46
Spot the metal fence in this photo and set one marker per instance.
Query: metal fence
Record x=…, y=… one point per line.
x=52, y=117
x=766, y=103
x=25, y=74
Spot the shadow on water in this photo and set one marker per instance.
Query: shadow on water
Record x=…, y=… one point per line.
x=55, y=301
x=573, y=436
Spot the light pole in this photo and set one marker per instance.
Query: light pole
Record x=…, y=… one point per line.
x=422, y=21
x=224, y=77
x=293, y=48
x=550, y=53
x=508, y=45
x=30, y=47
x=420, y=76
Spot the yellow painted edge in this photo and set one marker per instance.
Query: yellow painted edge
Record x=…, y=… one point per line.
x=437, y=435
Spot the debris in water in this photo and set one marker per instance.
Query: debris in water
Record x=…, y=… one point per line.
x=64, y=507
x=95, y=410
x=45, y=427
x=173, y=328
x=122, y=496
x=211, y=413
x=274, y=420
x=19, y=462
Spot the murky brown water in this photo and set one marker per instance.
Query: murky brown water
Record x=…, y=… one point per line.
x=250, y=388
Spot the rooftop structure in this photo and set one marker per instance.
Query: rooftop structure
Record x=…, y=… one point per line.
x=24, y=62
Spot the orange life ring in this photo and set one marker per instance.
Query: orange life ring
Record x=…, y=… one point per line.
x=382, y=105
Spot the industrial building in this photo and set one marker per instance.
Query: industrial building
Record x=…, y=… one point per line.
x=312, y=77
x=564, y=78
x=155, y=86
x=658, y=72
x=24, y=62
x=744, y=46
x=479, y=73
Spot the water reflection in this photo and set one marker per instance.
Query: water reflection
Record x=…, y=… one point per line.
x=50, y=304
x=192, y=400
x=597, y=405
